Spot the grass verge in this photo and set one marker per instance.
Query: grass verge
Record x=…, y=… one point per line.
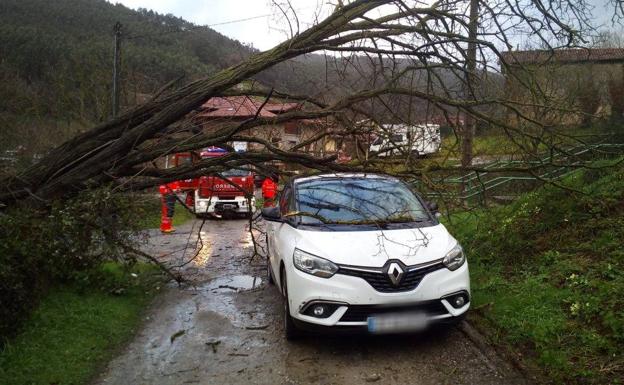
x=150, y=208
x=496, y=142
x=548, y=277
x=77, y=329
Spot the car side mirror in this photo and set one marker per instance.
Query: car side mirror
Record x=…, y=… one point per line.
x=271, y=214
x=433, y=207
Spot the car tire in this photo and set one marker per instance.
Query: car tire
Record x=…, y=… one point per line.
x=246, y=215
x=290, y=329
x=269, y=272
x=268, y=265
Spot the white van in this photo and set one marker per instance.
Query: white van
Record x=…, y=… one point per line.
x=417, y=140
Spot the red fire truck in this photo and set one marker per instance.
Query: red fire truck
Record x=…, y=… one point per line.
x=212, y=195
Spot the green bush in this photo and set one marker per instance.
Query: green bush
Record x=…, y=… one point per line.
x=62, y=243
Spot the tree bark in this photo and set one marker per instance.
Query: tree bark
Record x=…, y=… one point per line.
x=469, y=129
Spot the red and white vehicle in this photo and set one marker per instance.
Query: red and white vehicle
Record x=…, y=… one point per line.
x=213, y=195
x=187, y=186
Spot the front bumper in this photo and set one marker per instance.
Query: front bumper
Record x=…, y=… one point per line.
x=357, y=299
x=218, y=206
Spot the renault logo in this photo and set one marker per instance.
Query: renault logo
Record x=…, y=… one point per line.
x=395, y=273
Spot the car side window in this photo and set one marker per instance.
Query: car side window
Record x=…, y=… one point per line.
x=285, y=199
x=291, y=201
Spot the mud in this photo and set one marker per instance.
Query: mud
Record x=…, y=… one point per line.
x=226, y=328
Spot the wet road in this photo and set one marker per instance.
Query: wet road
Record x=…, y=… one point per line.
x=226, y=328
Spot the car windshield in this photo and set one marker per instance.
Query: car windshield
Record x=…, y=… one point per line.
x=235, y=172
x=357, y=201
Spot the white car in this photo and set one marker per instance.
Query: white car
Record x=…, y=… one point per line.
x=363, y=251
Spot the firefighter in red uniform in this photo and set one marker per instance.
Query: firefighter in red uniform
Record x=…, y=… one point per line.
x=269, y=191
x=168, y=199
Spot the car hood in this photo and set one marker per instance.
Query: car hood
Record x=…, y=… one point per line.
x=373, y=248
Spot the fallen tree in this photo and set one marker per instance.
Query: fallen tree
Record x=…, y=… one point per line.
x=396, y=61
x=403, y=41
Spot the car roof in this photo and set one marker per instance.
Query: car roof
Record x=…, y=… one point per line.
x=342, y=175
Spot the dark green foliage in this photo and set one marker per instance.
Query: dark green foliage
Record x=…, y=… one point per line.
x=547, y=274
x=63, y=244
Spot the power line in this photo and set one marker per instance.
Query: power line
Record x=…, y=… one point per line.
x=197, y=27
x=239, y=20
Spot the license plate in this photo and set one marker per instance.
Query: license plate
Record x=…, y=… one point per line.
x=397, y=322
x=228, y=207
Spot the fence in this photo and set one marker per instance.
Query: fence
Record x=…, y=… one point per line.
x=505, y=175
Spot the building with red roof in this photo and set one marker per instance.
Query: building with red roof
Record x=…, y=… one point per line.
x=222, y=112
x=236, y=107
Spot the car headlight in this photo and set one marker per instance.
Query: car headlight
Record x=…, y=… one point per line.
x=314, y=265
x=454, y=258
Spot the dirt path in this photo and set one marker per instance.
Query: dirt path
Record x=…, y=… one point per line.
x=227, y=329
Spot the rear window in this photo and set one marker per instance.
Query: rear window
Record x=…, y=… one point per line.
x=183, y=160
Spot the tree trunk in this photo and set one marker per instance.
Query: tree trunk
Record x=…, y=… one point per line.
x=468, y=131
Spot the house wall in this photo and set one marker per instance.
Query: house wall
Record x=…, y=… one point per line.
x=285, y=136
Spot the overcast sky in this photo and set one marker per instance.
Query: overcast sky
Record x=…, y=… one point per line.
x=265, y=27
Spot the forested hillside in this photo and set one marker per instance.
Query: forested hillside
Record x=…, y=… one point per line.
x=56, y=60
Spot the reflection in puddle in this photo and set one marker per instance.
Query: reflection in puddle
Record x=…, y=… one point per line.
x=246, y=240
x=205, y=252
x=235, y=282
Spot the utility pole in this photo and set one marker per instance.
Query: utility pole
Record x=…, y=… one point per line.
x=116, y=68
x=469, y=128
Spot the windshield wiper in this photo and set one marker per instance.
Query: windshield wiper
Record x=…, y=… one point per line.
x=390, y=224
x=417, y=220
x=322, y=225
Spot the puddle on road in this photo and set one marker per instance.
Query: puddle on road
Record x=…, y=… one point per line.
x=204, y=254
x=235, y=283
x=247, y=240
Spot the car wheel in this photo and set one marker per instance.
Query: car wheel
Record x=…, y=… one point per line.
x=269, y=274
x=268, y=264
x=290, y=329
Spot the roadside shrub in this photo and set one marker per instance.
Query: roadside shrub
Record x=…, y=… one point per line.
x=60, y=243
x=547, y=275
